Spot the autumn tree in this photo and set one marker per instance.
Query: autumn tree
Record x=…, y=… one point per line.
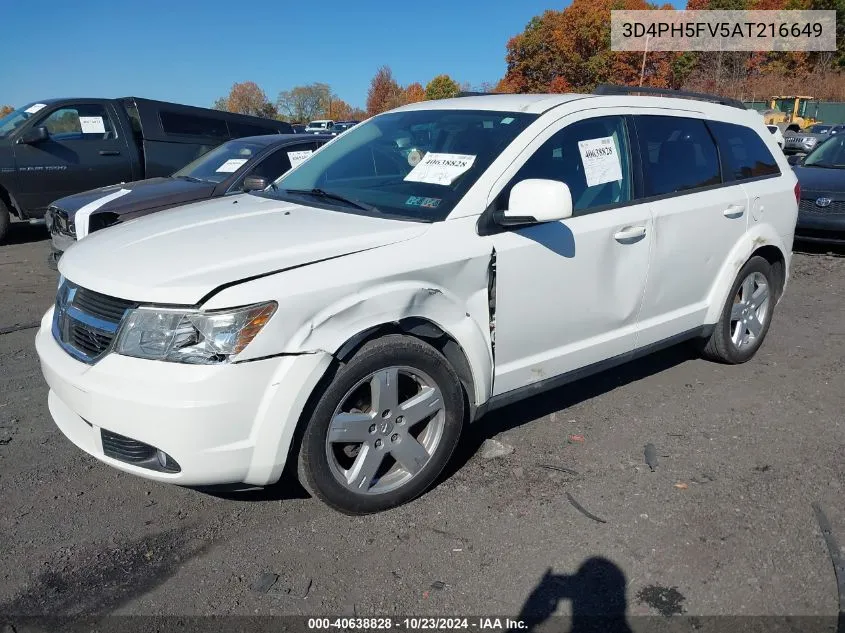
x=338, y=110
x=5, y=109
x=569, y=51
x=384, y=93
x=442, y=87
x=414, y=93
x=305, y=103
x=246, y=98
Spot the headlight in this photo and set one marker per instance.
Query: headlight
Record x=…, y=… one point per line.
x=810, y=141
x=191, y=336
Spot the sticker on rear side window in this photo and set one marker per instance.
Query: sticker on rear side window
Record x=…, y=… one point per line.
x=600, y=160
x=297, y=158
x=231, y=166
x=440, y=169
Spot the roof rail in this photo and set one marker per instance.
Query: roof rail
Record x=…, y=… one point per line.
x=610, y=89
x=472, y=94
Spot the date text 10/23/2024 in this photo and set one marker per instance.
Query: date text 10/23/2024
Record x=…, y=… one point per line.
x=415, y=624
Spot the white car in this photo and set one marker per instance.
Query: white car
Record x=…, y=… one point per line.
x=431, y=264
x=321, y=126
x=776, y=132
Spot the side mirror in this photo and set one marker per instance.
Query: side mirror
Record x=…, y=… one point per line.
x=534, y=200
x=795, y=159
x=255, y=183
x=35, y=135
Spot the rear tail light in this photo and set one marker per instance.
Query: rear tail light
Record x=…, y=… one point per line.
x=798, y=193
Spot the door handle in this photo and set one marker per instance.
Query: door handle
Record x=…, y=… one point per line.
x=109, y=152
x=629, y=234
x=734, y=211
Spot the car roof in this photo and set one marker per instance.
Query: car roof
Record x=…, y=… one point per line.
x=541, y=103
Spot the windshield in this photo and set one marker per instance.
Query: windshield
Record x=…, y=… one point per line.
x=772, y=128
x=221, y=162
x=819, y=129
x=16, y=118
x=831, y=154
x=415, y=164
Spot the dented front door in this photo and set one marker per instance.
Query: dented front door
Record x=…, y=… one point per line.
x=568, y=293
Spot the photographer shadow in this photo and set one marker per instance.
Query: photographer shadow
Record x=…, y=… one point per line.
x=597, y=593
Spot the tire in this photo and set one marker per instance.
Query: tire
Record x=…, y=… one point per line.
x=732, y=340
x=5, y=221
x=404, y=449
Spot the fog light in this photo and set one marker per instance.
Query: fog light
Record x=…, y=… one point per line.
x=162, y=458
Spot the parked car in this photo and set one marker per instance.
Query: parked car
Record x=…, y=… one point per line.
x=340, y=127
x=804, y=142
x=58, y=147
x=775, y=130
x=246, y=164
x=320, y=126
x=298, y=128
x=352, y=318
x=821, y=174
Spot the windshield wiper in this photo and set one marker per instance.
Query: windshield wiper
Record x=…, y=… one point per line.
x=191, y=178
x=328, y=195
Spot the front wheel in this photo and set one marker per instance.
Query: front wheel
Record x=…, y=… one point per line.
x=384, y=428
x=746, y=315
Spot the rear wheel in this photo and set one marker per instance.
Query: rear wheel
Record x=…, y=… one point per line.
x=384, y=429
x=746, y=315
x=5, y=221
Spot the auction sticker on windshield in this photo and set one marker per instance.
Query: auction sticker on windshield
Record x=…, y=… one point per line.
x=35, y=108
x=600, y=160
x=440, y=169
x=232, y=165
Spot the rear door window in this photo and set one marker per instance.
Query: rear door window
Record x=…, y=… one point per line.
x=678, y=154
x=744, y=153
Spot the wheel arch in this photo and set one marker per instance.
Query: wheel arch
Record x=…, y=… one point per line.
x=453, y=325
x=761, y=240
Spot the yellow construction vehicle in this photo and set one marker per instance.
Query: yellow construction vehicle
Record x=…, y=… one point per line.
x=791, y=110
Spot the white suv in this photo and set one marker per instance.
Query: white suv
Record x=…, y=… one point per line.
x=427, y=266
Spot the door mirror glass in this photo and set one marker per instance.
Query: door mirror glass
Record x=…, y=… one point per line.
x=255, y=183
x=35, y=135
x=795, y=159
x=537, y=200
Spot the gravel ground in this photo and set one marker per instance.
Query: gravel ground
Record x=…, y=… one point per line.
x=723, y=526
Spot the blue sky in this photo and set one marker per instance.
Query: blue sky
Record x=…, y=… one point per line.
x=192, y=52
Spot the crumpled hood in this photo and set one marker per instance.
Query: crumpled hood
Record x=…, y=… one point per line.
x=180, y=255
x=144, y=194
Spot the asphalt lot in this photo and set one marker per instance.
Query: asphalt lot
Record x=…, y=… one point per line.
x=755, y=445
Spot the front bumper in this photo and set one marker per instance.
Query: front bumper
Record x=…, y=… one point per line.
x=821, y=228
x=222, y=424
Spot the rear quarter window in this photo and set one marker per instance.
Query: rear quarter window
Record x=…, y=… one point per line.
x=744, y=154
x=179, y=124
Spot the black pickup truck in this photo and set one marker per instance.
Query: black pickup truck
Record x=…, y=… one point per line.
x=57, y=147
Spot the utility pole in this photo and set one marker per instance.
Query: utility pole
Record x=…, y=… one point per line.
x=642, y=68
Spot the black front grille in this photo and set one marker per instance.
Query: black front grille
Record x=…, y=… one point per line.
x=100, y=305
x=808, y=205
x=125, y=449
x=85, y=322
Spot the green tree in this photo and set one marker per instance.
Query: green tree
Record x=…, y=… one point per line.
x=301, y=104
x=442, y=87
